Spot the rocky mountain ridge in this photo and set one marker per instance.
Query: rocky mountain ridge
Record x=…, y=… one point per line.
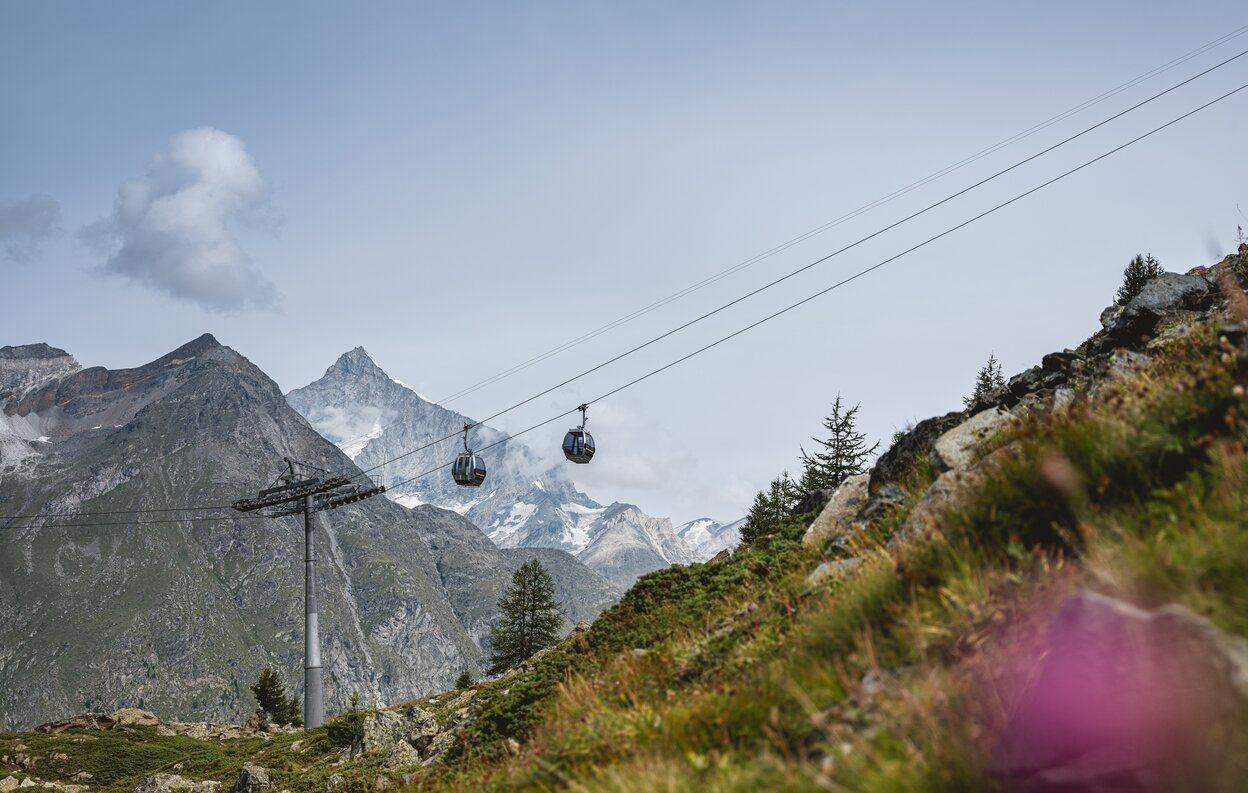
x=178, y=611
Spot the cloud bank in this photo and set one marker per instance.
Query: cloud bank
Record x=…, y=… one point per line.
x=171, y=230
x=26, y=224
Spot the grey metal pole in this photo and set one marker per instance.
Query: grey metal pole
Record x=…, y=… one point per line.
x=313, y=694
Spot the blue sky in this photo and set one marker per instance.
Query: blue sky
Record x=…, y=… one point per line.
x=543, y=168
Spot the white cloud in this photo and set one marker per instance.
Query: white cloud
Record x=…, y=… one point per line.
x=172, y=229
x=26, y=224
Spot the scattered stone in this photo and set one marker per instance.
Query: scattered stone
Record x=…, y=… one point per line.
x=334, y=781
x=1035, y=379
x=1059, y=361
x=832, y=569
x=8, y=783
x=958, y=448
x=438, y=749
x=1111, y=314
x=639, y=652
x=252, y=779
x=400, y=735
x=135, y=716
x=886, y=499
x=846, y=502
x=382, y=782
x=171, y=783
x=82, y=776
x=895, y=463
x=28, y=782
x=86, y=721
x=296, y=746
x=258, y=721
x=1063, y=400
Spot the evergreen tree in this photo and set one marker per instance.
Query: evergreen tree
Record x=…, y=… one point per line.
x=771, y=508
x=1138, y=272
x=988, y=380
x=464, y=680
x=844, y=454
x=530, y=617
x=270, y=692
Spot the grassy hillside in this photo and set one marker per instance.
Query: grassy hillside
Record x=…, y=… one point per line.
x=899, y=671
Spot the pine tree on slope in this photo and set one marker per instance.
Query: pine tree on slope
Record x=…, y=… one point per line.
x=530, y=618
x=844, y=454
x=988, y=380
x=270, y=692
x=771, y=508
x=1138, y=272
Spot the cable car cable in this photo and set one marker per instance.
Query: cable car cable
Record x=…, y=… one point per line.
x=816, y=262
x=838, y=221
x=845, y=281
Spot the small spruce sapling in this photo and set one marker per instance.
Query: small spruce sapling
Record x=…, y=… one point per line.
x=1139, y=271
x=845, y=452
x=771, y=508
x=989, y=379
x=464, y=680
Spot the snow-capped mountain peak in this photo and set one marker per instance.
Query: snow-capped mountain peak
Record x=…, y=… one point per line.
x=525, y=504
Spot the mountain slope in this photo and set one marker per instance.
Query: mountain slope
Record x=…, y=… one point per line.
x=179, y=615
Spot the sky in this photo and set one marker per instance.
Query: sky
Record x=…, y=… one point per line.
x=459, y=187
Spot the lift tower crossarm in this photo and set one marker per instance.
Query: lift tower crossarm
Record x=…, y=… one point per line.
x=308, y=496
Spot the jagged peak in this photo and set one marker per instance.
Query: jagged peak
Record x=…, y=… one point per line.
x=195, y=347
x=358, y=361
x=355, y=359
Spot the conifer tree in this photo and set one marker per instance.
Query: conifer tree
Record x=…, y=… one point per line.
x=530, y=618
x=844, y=453
x=270, y=692
x=1138, y=272
x=988, y=380
x=771, y=508
x=464, y=680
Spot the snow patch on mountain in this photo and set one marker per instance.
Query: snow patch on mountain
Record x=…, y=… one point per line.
x=705, y=537
x=376, y=418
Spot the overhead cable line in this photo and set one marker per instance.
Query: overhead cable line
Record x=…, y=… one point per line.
x=812, y=264
x=843, y=218
x=836, y=221
x=840, y=283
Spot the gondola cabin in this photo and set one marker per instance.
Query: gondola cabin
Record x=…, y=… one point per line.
x=468, y=470
x=578, y=446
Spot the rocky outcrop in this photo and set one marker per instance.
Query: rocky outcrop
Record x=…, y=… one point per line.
x=895, y=464
x=841, y=509
x=199, y=730
x=410, y=736
x=252, y=779
x=172, y=783
x=960, y=446
x=1164, y=295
